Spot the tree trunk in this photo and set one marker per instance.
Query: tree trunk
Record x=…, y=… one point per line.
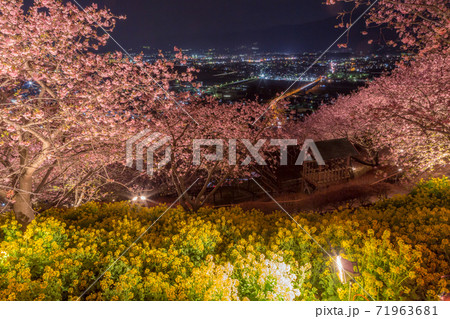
x=22, y=205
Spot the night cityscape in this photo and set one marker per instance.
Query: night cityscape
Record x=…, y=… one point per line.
x=225, y=151
x=232, y=77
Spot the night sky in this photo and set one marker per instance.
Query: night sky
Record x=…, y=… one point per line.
x=283, y=25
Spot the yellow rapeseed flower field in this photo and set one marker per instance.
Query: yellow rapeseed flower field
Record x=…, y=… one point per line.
x=401, y=246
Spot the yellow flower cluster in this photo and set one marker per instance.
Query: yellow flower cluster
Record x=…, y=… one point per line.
x=401, y=246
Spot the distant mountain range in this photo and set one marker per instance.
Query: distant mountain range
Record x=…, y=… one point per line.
x=313, y=36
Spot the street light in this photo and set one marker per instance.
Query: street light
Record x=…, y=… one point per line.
x=344, y=267
x=139, y=198
x=340, y=268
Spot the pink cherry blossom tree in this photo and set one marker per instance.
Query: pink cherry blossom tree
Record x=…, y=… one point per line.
x=411, y=109
x=422, y=25
x=233, y=133
x=345, y=118
x=404, y=115
x=66, y=110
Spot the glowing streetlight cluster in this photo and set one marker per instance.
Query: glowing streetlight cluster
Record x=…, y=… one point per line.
x=136, y=198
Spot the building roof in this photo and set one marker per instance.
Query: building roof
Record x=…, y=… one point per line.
x=336, y=149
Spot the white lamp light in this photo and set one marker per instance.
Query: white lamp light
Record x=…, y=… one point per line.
x=340, y=268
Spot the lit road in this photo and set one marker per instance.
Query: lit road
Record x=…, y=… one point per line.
x=237, y=82
x=297, y=90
